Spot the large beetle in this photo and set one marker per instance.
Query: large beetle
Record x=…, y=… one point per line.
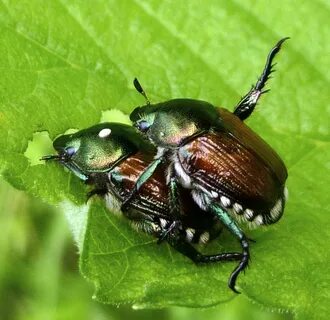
x=111, y=157
x=230, y=170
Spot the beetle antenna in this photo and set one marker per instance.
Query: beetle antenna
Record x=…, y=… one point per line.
x=50, y=157
x=247, y=104
x=139, y=89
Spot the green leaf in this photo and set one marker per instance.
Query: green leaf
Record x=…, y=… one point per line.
x=63, y=64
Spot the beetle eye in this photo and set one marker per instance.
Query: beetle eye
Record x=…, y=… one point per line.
x=143, y=125
x=70, y=151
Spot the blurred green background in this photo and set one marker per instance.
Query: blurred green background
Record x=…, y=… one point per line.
x=39, y=277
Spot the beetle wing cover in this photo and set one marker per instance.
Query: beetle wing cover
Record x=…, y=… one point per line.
x=248, y=138
x=236, y=163
x=152, y=197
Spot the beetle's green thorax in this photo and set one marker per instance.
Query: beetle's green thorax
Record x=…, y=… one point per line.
x=98, y=148
x=169, y=123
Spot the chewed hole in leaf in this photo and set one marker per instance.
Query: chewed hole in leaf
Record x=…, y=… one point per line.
x=115, y=115
x=41, y=145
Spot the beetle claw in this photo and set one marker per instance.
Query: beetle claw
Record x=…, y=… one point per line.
x=231, y=285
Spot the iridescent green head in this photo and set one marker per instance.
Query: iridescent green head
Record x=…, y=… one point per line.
x=97, y=149
x=168, y=124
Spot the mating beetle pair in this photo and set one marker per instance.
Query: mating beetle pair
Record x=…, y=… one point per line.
x=205, y=154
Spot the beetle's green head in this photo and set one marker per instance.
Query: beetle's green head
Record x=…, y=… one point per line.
x=96, y=149
x=169, y=123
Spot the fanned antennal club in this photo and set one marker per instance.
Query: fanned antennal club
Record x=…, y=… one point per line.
x=139, y=89
x=247, y=104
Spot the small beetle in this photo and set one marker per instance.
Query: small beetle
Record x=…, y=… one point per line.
x=230, y=170
x=111, y=157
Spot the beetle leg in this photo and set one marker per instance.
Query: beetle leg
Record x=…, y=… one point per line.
x=247, y=104
x=174, y=204
x=174, y=194
x=231, y=225
x=147, y=173
x=178, y=242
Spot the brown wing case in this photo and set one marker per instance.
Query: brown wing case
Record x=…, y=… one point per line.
x=248, y=138
x=236, y=163
x=152, y=198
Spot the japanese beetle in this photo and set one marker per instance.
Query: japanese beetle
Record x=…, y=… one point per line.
x=230, y=171
x=111, y=157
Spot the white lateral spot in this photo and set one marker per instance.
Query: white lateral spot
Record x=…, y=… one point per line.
x=104, y=133
x=190, y=232
x=259, y=220
x=214, y=194
x=277, y=209
x=248, y=213
x=237, y=208
x=204, y=237
x=286, y=194
x=225, y=201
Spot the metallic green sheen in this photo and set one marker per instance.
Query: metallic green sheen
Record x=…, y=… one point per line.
x=94, y=153
x=227, y=220
x=175, y=120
